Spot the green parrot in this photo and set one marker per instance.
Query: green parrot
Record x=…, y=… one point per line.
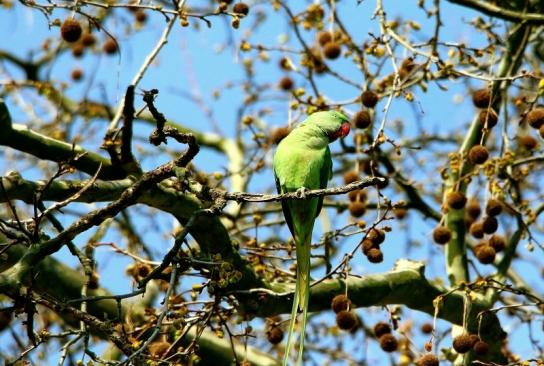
x=303, y=161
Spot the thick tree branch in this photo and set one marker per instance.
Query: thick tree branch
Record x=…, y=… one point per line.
x=487, y=7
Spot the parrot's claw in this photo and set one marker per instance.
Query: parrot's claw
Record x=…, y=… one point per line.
x=301, y=193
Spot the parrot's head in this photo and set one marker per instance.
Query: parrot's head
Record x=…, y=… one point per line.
x=333, y=124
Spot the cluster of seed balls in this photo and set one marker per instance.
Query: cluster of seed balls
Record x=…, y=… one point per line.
x=467, y=342
x=486, y=250
x=345, y=318
x=371, y=245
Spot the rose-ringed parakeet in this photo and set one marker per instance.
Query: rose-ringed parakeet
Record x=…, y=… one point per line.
x=303, y=161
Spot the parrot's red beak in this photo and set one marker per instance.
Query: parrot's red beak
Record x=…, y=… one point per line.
x=343, y=131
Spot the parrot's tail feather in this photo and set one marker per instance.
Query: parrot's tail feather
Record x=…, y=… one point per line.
x=292, y=323
x=302, y=296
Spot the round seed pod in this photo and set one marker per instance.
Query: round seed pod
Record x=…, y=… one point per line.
x=497, y=242
x=274, y=335
x=240, y=8
x=286, y=83
x=78, y=50
x=381, y=328
x=400, y=212
x=340, y=303
x=535, y=118
x=429, y=359
x=375, y=255
x=490, y=225
x=462, y=343
x=474, y=338
x=70, y=30
x=279, y=134
x=389, y=343
x=362, y=119
x=456, y=200
x=473, y=209
x=323, y=38
x=88, y=39
x=346, y=320
x=481, y=98
x=140, y=15
x=478, y=154
x=332, y=50
x=77, y=74
x=427, y=328
x=351, y=176
x=368, y=244
x=528, y=142
x=488, y=118
x=110, y=46
x=481, y=348
x=441, y=234
x=485, y=254
x=493, y=207
x=377, y=236
x=369, y=99
x=477, y=230
x=357, y=209
x=357, y=195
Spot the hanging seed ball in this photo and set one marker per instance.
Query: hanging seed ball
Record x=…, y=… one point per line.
x=286, y=83
x=473, y=209
x=462, y=343
x=456, y=200
x=362, y=119
x=70, y=30
x=400, y=212
x=485, y=254
x=497, y=242
x=481, y=98
x=381, y=328
x=541, y=131
x=493, y=207
x=332, y=50
x=528, y=142
x=377, y=236
x=374, y=255
x=429, y=359
x=241, y=8
x=477, y=230
x=274, y=335
x=357, y=209
x=427, y=328
x=279, y=134
x=478, y=154
x=77, y=50
x=77, y=74
x=346, y=320
x=535, y=118
x=110, y=46
x=473, y=339
x=389, y=343
x=441, y=234
x=88, y=39
x=490, y=225
x=340, y=303
x=369, y=98
x=481, y=348
x=350, y=177
x=323, y=38
x=357, y=195
x=366, y=245
x=140, y=15
x=488, y=118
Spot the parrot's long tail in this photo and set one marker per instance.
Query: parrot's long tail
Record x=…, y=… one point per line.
x=302, y=296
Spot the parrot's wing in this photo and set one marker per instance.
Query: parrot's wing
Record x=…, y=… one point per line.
x=284, y=207
x=325, y=176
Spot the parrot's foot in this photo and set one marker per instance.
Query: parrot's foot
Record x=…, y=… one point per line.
x=301, y=193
